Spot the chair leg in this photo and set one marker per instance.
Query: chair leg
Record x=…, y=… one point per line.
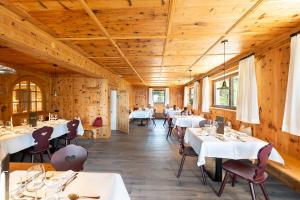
x=165, y=121
x=252, y=191
x=263, y=189
x=41, y=158
x=181, y=166
x=154, y=122
x=49, y=154
x=223, y=184
x=203, y=175
x=32, y=158
x=233, y=180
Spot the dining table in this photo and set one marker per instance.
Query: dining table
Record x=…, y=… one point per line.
x=18, y=138
x=145, y=114
x=106, y=186
x=171, y=112
x=187, y=121
x=230, y=145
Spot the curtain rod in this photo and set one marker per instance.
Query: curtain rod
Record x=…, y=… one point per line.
x=294, y=34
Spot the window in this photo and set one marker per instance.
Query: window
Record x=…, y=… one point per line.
x=226, y=98
x=27, y=97
x=158, y=96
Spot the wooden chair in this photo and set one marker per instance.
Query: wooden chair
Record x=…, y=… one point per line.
x=253, y=174
x=72, y=134
x=41, y=137
x=71, y=157
x=187, y=151
x=170, y=127
x=154, y=117
x=165, y=116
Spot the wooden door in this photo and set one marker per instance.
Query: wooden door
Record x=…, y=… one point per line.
x=123, y=112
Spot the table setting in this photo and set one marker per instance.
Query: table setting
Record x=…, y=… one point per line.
x=17, y=138
x=35, y=183
x=187, y=121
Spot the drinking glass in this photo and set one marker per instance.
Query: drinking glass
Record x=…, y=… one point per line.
x=24, y=122
x=35, y=179
x=41, y=118
x=1, y=124
x=8, y=124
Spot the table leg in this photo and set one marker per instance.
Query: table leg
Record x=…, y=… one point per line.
x=218, y=170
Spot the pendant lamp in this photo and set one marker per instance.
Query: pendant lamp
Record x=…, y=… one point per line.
x=224, y=84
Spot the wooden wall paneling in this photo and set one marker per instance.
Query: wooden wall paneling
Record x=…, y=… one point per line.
x=123, y=111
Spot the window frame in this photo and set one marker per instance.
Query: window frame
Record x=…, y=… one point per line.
x=230, y=77
x=164, y=96
x=29, y=100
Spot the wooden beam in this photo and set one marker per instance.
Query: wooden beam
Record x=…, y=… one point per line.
x=246, y=14
x=99, y=24
x=129, y=37
x=21, y=35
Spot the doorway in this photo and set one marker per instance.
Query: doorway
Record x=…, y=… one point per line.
x=113, y=110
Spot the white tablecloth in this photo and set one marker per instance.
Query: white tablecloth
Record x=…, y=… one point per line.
x=109, y=186
x=141, y=114
x=210, y=146
x=171, y=113
x=187, y=121
x=20, y=137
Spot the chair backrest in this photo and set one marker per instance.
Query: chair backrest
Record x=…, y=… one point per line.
x=219, y=119
x=181, y=133
x=262, y=157
x=71, y=157
x=169, y=119
x=202, y=123
x=41, y=137
x=72, y=128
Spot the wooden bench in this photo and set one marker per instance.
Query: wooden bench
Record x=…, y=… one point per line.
x=97, y=132
x=13, y=166
x=288, y=173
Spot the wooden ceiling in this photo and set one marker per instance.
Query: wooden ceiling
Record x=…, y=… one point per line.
x=157, y=42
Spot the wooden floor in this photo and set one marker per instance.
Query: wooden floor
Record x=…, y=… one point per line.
x=148, y=164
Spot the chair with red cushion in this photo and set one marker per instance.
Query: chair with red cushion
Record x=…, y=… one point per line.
x=255, y=175
x=71, y=157
x=41, y=138
x=187, y=151
x=72, y=134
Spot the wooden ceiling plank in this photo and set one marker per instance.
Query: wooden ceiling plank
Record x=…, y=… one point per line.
x=27, y=38
x=168, y=31
x=99, y=24
x=249, y=11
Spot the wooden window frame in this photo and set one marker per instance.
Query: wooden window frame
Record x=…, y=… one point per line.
x=230, y=107
x=29, y=101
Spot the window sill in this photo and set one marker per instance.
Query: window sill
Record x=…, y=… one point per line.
x=219, y=108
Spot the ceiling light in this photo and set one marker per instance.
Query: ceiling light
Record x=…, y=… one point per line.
x=6, y=70
x=224, y=85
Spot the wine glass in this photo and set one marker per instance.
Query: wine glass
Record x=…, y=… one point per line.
x=35, y=179
x=1, y=124
x=8, y=124
x=41, y=118
x=24, y=121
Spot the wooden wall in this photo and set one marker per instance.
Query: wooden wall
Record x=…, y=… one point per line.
x=272, y=65
x=139, y=95
x=7, y=82
x=82, y=96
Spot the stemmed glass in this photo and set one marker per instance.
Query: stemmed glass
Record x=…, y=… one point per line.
x=24, y=122
x=1, y=124
x=8, y=124
x=35, y=179
x=41, y=118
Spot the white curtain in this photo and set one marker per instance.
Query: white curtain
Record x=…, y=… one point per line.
x=186, y=98
x=150, y=100
x=167, y=94
x=291, y=117
x=195, y=98
x=247, y=103
x=205, y=95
